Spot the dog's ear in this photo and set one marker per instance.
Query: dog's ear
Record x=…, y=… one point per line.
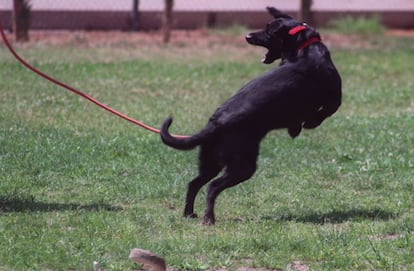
x=277, y=13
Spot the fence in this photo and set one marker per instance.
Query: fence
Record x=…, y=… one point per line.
x=190, y=14
x=109, y=14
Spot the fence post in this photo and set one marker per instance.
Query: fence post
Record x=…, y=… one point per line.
x=135, y=15
x=21, y=19
x=167, y=20
x=305, y=12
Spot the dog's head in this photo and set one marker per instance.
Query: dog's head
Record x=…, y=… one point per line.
x=283, y=35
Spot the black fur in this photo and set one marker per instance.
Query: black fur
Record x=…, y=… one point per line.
x=300, y=93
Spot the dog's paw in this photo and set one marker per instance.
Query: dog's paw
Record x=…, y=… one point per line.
x=311, y=124
x=208, y=221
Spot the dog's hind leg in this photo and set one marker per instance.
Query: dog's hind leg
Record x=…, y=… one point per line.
x=231, y=177
x=208, y=169
x=193, y=187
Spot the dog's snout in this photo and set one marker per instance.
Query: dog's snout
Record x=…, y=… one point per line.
x=251, y=38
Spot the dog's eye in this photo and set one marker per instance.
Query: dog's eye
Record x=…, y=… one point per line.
x=268, y=32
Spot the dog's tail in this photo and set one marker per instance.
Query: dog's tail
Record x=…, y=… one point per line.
x=183, y=143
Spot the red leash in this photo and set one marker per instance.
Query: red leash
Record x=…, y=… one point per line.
x=63, y=85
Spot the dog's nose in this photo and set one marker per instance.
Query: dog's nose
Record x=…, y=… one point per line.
x=249, y=37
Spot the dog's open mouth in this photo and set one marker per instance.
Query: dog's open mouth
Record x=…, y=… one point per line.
x=273, y=50
x=269, y=57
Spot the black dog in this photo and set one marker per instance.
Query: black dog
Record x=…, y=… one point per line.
x=303, y=91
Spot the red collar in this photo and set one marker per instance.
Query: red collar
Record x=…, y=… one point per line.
x=308, y=42
x=296, y=29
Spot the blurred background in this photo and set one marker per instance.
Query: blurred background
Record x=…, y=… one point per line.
x=147, y=15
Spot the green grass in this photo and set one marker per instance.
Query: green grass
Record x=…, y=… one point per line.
x=358, y=25
x=78, y=184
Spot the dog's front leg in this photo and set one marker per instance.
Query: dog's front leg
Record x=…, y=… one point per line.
x=328, y=108
x=320, y=115
x=315, y=120
x=294, y=130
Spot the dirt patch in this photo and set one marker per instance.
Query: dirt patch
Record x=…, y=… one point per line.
x=389, y=236
x=94, y=38
x=202, y=37
x=409, y=33
x=293, y=266
x=297, y=266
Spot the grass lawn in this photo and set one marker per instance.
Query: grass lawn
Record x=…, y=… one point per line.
x=78, y=184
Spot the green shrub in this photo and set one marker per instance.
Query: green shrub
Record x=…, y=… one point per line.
x=358, y=25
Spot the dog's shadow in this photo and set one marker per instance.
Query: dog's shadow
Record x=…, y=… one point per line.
x=13, y=204
x=334, y=216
